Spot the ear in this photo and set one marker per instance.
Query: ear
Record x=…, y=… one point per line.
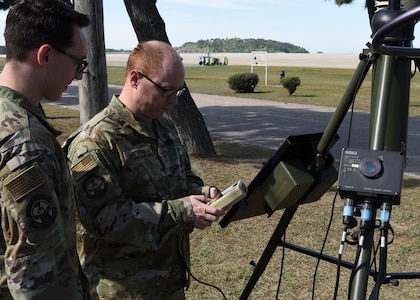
x=134, y=77
x=43, y=53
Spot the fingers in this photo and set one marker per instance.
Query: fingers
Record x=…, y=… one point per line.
x=213, y=213
x=201, y=222
x=214, y=192
x=204, y=215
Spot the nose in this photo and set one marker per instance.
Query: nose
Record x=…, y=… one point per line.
x=173, y=99
x=78, y=76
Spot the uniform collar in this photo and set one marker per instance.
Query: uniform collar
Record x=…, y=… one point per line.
x=124, y=113
x=23, y=101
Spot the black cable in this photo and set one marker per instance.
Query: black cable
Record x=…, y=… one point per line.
x=375, y=253
x=384, y=226
x=339, y=259
x=205, y=283
x=324, y=243
x=359, y=83
x=379, y=275
x=281, y=267
x=195, y=278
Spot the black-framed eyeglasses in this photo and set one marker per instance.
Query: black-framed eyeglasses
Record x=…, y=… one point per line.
x=82, y=63
x=165, y=92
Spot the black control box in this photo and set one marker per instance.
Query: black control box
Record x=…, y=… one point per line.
x=371, y=173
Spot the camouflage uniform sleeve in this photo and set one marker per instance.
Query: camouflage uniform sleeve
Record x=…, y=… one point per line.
x=36, y=257
x=4, y=290
x=111, y=214
x=195, y=185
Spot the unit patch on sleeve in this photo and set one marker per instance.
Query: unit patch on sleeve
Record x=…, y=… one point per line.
x=95, y=187
x=41, y=211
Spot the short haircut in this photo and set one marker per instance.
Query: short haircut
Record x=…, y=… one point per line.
x=33, y=23
x=148, y=57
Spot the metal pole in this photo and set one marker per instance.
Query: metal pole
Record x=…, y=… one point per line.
x=389, y=110
x=344, y=104
x=269, y=250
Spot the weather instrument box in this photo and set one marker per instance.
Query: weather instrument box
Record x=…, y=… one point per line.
x=230, y=196
x=296, y=174
x=286, y=183
x=370, y=173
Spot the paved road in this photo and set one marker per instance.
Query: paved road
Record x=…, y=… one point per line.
x=268, y=123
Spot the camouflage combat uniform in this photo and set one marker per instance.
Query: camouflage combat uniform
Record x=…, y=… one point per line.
x=37, y=206
x=133, y=179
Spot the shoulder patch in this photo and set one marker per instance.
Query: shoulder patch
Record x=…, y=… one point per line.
x=41, y=212
x=84, y=166
x=95, y=187
x=24, y=183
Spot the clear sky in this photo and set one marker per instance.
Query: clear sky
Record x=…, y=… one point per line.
x=316, y=25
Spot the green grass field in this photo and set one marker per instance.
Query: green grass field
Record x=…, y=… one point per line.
x=222, y=257
x=319, y=86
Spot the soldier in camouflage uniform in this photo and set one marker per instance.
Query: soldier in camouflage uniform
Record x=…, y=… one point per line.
x=139, y=199
x=45, y=47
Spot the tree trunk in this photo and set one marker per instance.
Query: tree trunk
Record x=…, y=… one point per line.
x=93, y=88
x=148, y=25
x=191, y=127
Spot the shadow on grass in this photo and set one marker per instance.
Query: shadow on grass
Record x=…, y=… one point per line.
x=307, y=95
x=411, y=182
x=240, y=153
x=238, y=94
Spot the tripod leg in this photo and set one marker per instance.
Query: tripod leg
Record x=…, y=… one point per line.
x=344, y=105
x=269, y=250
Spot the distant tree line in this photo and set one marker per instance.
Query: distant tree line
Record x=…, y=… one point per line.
x=110, y=50
x=237, y=45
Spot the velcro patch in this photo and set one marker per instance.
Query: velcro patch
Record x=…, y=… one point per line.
x=95, y=187
x=134, y=153
x=84, y=166
x=41, y=211
x=24, y=183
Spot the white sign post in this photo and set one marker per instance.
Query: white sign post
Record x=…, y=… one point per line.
x=260, y=58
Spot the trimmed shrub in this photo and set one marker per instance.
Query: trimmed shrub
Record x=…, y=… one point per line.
x=243, y=82
x=290, y=83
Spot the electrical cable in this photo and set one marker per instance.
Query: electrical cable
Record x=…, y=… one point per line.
x=384, y=225
x=359, y=83
x=340, y=254
x=195, y=278
x=375, y=253
x=281, y=267
x=375, y=293
x=366, y=214
x=349, y=222
x=207, y=284
x=324, y=243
